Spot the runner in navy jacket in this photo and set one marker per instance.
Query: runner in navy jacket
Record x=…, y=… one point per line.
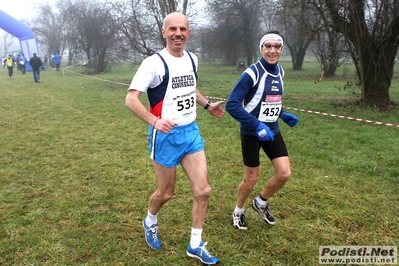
x=256, y=102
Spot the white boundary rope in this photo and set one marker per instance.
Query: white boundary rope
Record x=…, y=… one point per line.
x=87, y=76
x=286, y=107
x=327, y=114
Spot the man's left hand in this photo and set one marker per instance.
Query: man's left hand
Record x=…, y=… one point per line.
x=216, y=110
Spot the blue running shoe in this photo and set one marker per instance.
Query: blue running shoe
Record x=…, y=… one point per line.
x=151, y=235
x=202, y=254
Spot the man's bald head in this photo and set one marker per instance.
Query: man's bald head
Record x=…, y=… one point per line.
x=175, y=16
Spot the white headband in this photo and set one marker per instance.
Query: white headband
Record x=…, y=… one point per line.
x=270, y=36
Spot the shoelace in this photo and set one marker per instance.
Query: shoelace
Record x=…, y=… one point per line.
x=262, y=208
x=204, y=249
x=265, y=211
x=154, y=232
x=239, y=218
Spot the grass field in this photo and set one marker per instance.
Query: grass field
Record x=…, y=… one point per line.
x=75, y=174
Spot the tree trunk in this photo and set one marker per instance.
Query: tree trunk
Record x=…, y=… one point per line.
x=330, y=71
x=376, y=72
x=297, y=59
x=372, y=49
x=331, y=67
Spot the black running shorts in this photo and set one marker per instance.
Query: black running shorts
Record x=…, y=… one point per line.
x=250, y=146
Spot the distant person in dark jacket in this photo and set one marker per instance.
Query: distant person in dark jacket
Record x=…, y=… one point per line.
x=57, y=60
x=36, y=63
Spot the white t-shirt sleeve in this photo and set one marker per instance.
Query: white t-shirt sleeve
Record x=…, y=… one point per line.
x=149, y=75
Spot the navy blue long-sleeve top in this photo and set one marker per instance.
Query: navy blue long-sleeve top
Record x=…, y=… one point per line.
x=256, y=83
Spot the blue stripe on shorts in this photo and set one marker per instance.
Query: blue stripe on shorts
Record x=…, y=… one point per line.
x=169, y=149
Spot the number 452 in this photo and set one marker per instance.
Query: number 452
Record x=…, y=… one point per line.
x=272, y=111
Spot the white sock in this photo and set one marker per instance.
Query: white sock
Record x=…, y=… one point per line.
x=238, y=210
x=151, y=219
x=195, y=239
x=261, y=202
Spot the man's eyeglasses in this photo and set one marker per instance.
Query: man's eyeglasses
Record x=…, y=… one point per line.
x=269, y=46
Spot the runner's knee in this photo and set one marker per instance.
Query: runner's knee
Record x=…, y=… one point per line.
x=284, y=175
x=203, y=192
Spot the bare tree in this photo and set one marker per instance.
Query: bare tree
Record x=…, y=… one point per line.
x=141, y=35
x=235, y=30
x=329, y=48
x=371, y=29
x=7, y=41
x=47, y=26
x=69, y=35
x=96, y=31
x=141, y=23
x=270, y=15
x=301, y=22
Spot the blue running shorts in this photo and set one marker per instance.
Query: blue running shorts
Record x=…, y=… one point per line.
x=169, y=149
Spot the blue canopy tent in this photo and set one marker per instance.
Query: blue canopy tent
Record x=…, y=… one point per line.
x=21, y=31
